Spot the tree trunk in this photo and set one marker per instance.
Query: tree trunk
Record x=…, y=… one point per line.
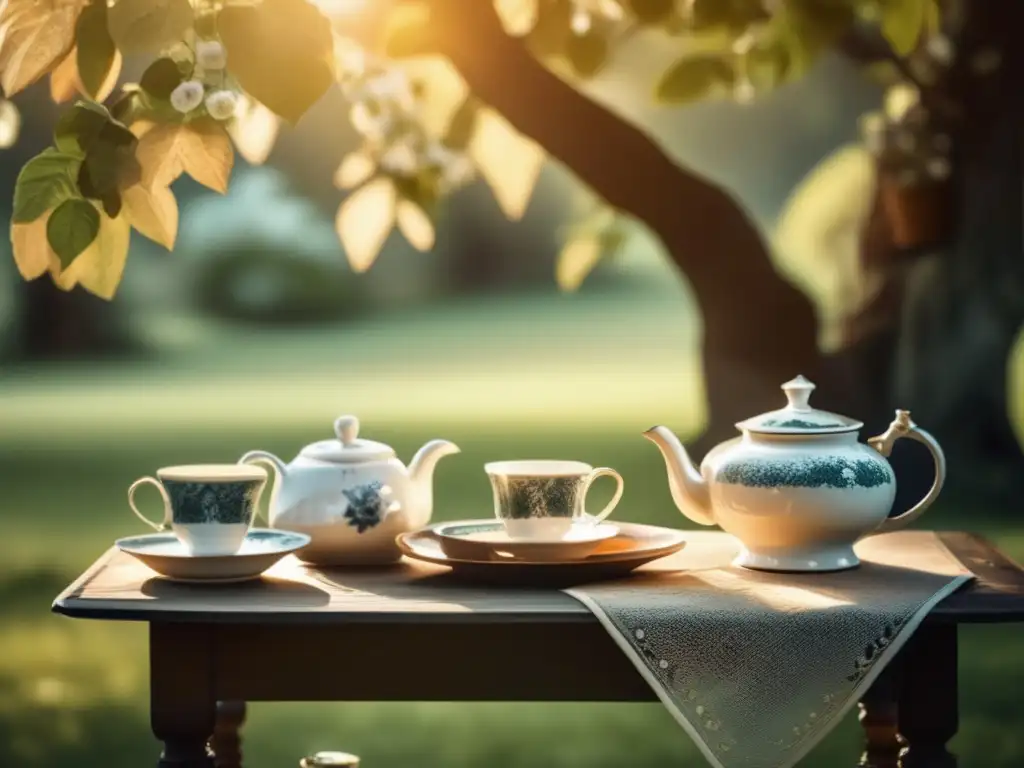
x=759, y=330
x=944, y=326
x=55, y=324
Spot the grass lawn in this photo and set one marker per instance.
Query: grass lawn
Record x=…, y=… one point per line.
x=71, y=439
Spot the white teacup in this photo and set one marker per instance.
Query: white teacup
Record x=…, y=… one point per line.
x=541, y=500
x=209, y=507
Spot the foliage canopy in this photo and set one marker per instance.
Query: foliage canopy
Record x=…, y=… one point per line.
x=224, y=74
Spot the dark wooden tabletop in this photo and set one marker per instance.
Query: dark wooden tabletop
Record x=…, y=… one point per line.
x=118, y=587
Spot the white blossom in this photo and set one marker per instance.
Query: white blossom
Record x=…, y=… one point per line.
x=941, y=49
x=210, y=54
x=222, y=105
x=744, y=92
x=187, y=96
x=401, y=159
x=458, y=171
x=370, y=123
x=938, y=168
x=581, y=21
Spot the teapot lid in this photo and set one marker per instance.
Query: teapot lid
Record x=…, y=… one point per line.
x=798, y=417
x=347, y=447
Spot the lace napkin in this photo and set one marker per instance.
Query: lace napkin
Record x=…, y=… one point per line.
x=758, y=667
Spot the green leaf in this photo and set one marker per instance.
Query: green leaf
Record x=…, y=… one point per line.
x=110, y=165
x=708, y=14
x=87, y=123
x=652, y=11
x=903, y=22
x=143, y=26
x=160, y=78
x=131, y=104
x=587, y=53
x=281, y=52
x=767, y=66
x=46, y=180
x=71, y=229
x=693, y=78
x=96, y=49
x=80, y=127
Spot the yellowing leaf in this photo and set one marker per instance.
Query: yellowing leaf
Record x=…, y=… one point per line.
x=508, y=161
x=817, y=236
x=903, y=22
x=65, y=82
x=10, y=124
x=37, y=35
x=254, y=131
x=364, y=221
x=143, y=26
x=201, y=149
x=101, y=265
x=414, y=223
x=443, y=92
x=32, y=252
x=575, y=261
x=64, y=79
x=96, y=54
x=107, y=86
x=153, y=211
x=355, y=168
x=517, y=16
x=281, y=51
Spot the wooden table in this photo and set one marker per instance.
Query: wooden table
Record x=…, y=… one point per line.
x=306, y=635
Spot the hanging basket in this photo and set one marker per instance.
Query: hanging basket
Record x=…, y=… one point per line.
x=920, y=216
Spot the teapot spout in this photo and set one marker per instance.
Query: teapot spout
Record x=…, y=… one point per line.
x=421, y=471
x=689, y=488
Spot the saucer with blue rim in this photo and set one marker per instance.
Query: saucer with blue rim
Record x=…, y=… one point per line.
x=167, y=556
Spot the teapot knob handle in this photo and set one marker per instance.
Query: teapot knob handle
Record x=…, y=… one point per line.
x=347, y=429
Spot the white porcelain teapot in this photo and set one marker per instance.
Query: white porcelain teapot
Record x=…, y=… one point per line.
x=351, y=496
x=796, y=488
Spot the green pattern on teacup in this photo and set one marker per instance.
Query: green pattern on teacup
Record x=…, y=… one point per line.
x=194, y=501
x=525, y=498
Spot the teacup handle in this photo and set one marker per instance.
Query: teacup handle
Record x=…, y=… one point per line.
x=610, y=506
x=167, y=502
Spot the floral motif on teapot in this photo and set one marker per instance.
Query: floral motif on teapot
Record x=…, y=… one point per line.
x=366, y=506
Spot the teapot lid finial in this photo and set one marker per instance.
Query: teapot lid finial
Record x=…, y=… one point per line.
x=347, y=429
x=799, y=417
x=347, y=447
x=798, y=393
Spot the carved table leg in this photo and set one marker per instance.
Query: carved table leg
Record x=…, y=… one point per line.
x=928, y=707
x=227, y=742
x=878, y=718
x=182, y=698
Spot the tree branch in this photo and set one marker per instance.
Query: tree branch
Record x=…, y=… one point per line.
x=707, y=234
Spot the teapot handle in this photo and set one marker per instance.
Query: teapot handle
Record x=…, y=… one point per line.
x=903, y=426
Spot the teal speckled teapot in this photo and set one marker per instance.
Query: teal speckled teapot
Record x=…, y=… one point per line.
x=796, y=487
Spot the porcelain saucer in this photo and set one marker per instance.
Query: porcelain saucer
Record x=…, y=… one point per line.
x=488, y=540
x=614, y=557
x=163, y=553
